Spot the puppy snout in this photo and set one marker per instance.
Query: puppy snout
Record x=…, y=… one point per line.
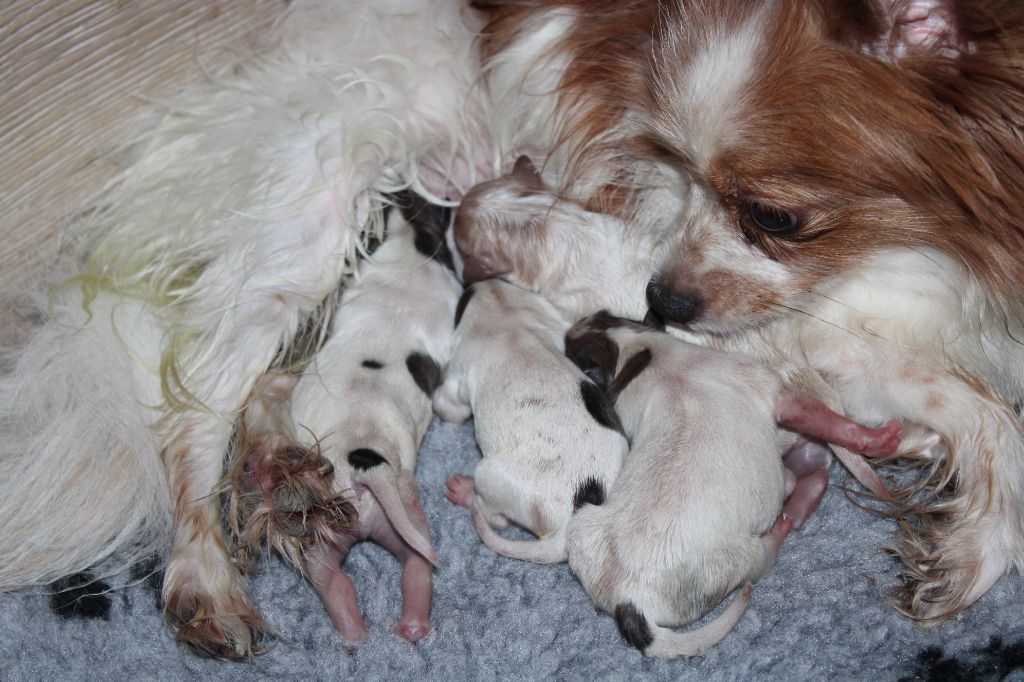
x=480, y=266
x=672, y=305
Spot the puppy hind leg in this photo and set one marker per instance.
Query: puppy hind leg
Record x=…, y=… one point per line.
x=417, y=572
x=338, y=594
x=804, y=414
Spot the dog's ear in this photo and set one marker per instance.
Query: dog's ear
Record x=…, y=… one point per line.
x=525, y=172
x=918, y=27
x=590, y=348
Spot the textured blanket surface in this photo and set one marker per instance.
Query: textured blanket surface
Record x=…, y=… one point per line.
x=822, y=613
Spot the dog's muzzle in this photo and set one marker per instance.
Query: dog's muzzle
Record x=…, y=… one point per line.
x=672, y=305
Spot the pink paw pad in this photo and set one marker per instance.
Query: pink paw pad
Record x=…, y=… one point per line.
x=461, y=490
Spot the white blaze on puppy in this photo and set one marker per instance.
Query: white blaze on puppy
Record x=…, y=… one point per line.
x=549, y=438
x=694, y=513
x=365, y=402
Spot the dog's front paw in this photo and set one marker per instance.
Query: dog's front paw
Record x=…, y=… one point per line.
x=221, y=624
x=283, y=496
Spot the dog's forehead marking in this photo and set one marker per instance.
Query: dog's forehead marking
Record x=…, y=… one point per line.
x=709, y=91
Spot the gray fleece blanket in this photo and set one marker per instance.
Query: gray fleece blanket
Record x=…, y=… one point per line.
x=822, y=613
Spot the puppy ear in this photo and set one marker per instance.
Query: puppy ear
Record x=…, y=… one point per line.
x=526, y=173
x=917, y=27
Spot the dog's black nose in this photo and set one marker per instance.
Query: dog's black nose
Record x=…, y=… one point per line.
x=672, y=305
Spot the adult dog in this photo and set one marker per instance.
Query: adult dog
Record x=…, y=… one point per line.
x=836, y=185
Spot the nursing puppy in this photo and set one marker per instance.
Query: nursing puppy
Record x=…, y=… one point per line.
x=850, y=198
x=362, y=406
x=694, y=513
x=549, y=438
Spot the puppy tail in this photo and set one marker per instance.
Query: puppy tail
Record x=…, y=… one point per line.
x=653, y=640
x=547, y=550
x=81, y=479
x=397, y=496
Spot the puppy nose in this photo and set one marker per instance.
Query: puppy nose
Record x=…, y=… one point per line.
x=672, y=305
x=480, y=266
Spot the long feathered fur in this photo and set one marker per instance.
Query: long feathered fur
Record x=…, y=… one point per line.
x=245, y=201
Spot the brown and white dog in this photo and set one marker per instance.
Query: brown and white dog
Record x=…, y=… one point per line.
x=850, y=180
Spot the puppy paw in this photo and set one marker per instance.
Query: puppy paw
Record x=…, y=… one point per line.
x=461, y=490
x=413, y=629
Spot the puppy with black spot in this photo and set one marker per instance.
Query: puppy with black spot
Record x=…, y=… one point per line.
x=364, y=403
x=549, y=438
x=695, y=511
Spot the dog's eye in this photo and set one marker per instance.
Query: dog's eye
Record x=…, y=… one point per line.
x=770, y=218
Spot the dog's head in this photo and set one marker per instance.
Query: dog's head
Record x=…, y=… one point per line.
x=817, y=134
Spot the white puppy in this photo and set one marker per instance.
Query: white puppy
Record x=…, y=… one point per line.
x=580, y=260
x=549, y=438
x=694, y=513
x=364, y=403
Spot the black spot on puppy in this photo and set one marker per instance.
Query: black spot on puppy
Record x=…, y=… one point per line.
x=591, y=491
x=592, y=350
x=373, y=364
x=425, y=371
x=429, y=223
x=633, y=626
x=463, y=302
x=365, y=458
x=630, y=370
x=599, y=405
x=80, y=596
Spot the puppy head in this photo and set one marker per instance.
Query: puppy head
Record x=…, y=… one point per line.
x=517, y=228
x=817, y=134
x=499, y=226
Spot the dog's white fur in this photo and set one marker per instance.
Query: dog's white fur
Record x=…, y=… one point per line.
x=540, y=443
x=240, y=213
x=581, y=261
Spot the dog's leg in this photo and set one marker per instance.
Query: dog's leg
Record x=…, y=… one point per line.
x=299, y=263
x=968, y=531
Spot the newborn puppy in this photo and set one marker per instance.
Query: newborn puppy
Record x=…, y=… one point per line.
x=549, y=437
x=581, y=260
x=694, y=513
x=364, y=403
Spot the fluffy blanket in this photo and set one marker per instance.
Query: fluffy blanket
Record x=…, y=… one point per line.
x=823, y=612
